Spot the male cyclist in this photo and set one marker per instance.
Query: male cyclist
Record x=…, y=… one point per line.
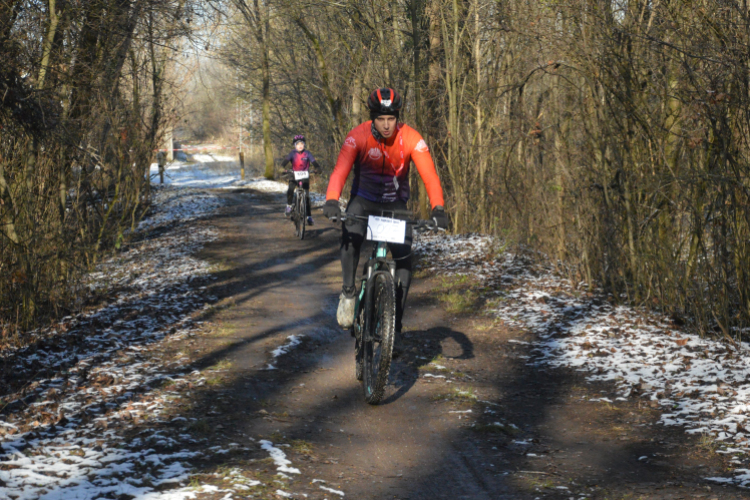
x=301, y=160
x=381, y=151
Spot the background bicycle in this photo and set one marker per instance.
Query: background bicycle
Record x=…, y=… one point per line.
x=300, y=207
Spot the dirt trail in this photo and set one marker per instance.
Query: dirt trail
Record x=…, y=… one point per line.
x=464, y=416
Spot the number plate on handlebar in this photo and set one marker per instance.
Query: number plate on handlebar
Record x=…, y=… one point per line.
x=301, y=175
x=386, y=229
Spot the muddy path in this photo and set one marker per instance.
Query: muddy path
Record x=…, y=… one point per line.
x=464, y=415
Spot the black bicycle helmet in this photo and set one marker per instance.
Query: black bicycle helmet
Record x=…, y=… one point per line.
x=298, y=138
x=384, y=101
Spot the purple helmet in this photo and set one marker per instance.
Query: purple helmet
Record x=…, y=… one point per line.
x=298, y=138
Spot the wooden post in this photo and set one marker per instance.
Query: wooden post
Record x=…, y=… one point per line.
x=242, y=165
x=168, y=145
x=161, y=160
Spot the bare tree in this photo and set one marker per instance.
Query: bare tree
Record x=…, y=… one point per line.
x=79, y=125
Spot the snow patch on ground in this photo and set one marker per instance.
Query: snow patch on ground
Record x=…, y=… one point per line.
x=221, y=173
x=213, y=158
x=702, y=385
x=93, y=377
x=292, y=342
x=457, y=254
x=76, y=428
x=264, y=185
x=278, y=457
x=331, y=490
x=198, y=175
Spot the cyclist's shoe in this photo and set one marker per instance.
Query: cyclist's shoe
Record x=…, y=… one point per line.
x=345, y=312
x=310, y=220
x=288, y=210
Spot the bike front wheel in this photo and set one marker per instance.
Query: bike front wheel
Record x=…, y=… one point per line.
x=377, y=342
x=301, y=215
x=359, y=326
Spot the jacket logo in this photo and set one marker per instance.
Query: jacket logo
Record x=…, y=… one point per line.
x=421, y=146
x=375, y=153
x=351, y=142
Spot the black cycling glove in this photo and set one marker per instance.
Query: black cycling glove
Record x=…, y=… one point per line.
x=440, y=217
x=331, y=209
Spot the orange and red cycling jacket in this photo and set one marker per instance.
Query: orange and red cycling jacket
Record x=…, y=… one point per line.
x=381, y=167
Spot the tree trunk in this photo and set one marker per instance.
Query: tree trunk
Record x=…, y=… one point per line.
x=334, y=104
x=48, y=43
x=266, y=107
x=479, y=123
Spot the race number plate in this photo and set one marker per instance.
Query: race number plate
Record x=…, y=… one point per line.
x=386, y=229
x=301, y=175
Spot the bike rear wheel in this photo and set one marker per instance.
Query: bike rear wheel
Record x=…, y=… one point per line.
x=377, y=343
x=301, y=210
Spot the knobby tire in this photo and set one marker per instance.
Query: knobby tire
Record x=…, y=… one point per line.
x=295, y=215
x=378, y=346
x=301, y=214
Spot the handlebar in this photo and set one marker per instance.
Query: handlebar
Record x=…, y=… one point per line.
x=291, y=172
x=430, y=225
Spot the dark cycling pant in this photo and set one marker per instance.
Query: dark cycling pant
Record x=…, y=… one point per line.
x=353, y=235
x=290, y=193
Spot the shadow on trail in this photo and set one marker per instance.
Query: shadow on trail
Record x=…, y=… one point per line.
x=458, y=463
x=215, y=356
x=312, y=233
x=461, y=462
x=405, y=368
x=277, y=273
x=624, y=450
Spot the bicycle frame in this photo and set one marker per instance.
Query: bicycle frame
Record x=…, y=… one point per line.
x=377, y=263
x=298, y=188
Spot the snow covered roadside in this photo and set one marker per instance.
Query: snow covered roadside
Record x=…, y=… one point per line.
x=266, y=186
x=701, y=385
x=76, y=429
x=220, y=173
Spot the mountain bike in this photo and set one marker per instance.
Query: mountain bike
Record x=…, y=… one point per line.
x=299, y=203
x=374, y=328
